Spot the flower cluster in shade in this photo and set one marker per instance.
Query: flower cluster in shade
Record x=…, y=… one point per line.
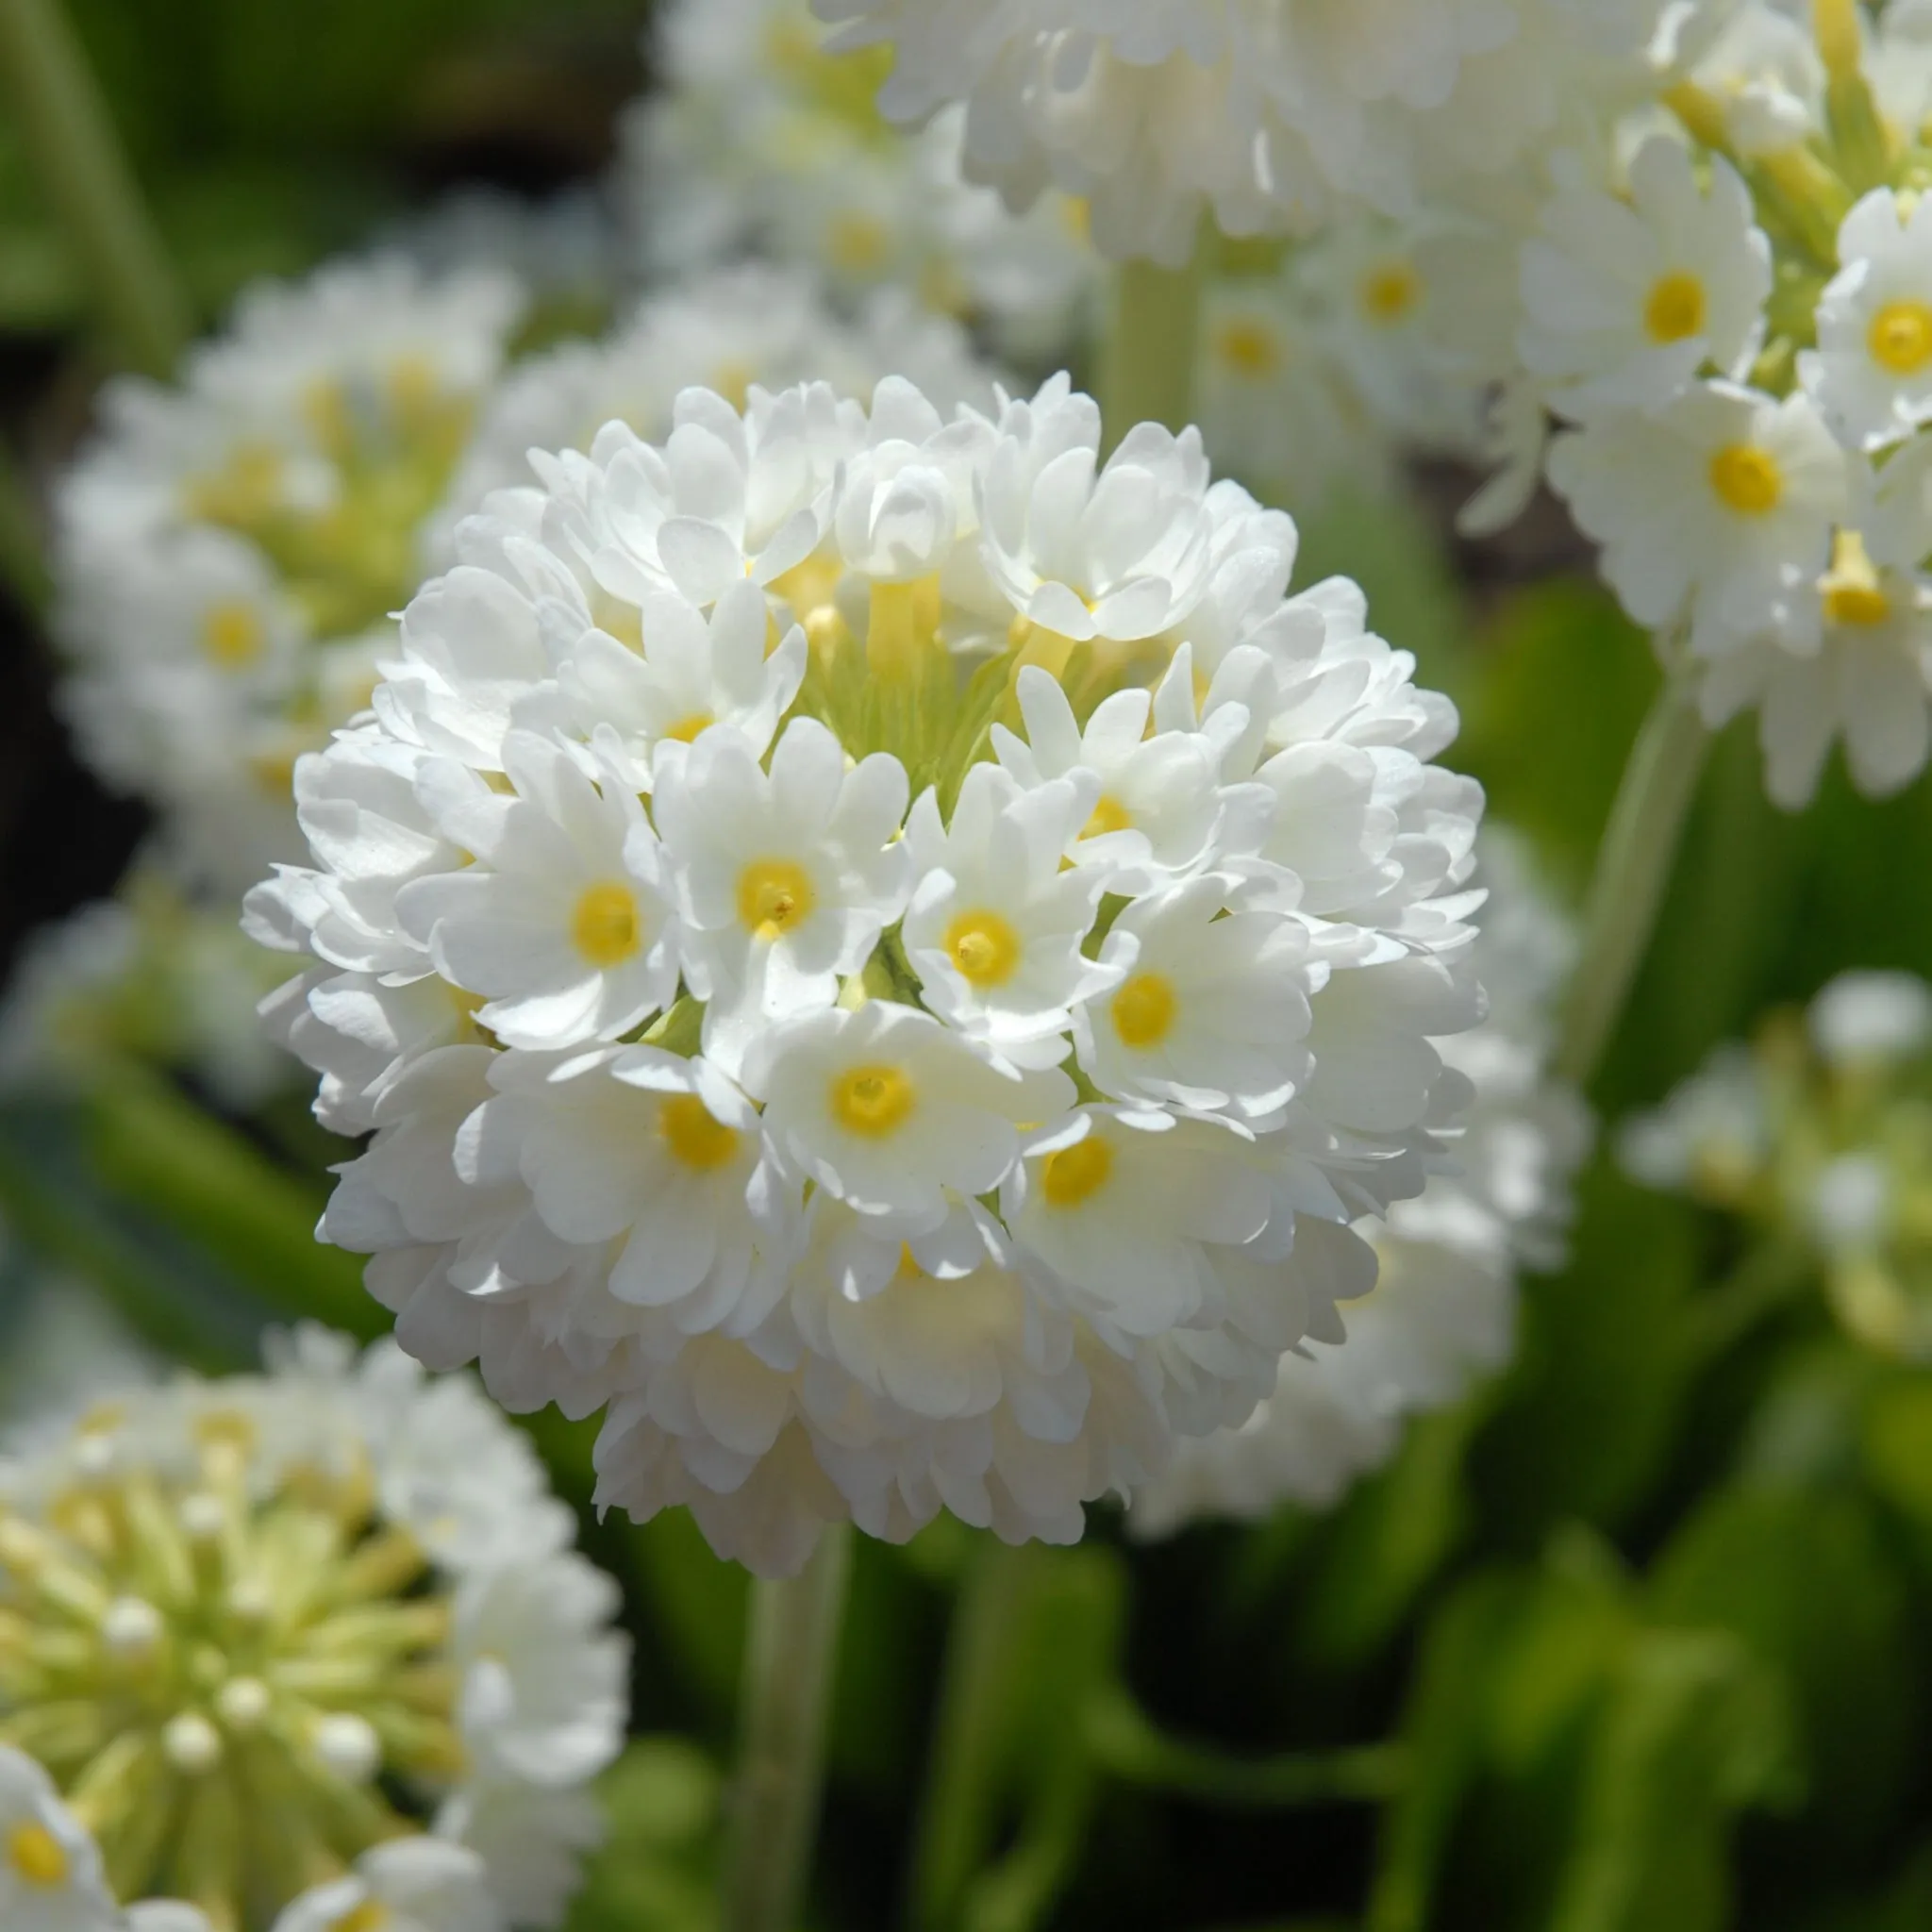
x=295, y=1647
x=758, y=143
x=1443, y=1311
x=229, y=549
x=1818, y=1136
x=1270, y=115
x=883, y=951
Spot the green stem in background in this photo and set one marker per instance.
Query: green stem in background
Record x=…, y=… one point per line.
x=23, y=563
x=66, y=129
x=956, y=1816
x=1633, y=868
x=789, y=1657
x=1128, y=1746
x=1147, y=361
x=1762, y=1283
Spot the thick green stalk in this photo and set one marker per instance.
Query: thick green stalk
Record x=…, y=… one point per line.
x=65, y=127
x=23, y=563
x=787, y=1678
x=1633, y=868
x=956, y=1818
x=1148, y=360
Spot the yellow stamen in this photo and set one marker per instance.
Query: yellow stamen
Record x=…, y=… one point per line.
x=1852, y=592
x=1901, y=337
x=775, y=896
x=1144, y=1010
x=37, y=1856
x=1676, y=309
x=233, y=635
x=687, y=730
x=1747, y=480
x=1075, y=1174
x=605, y=928
x=1391, y=293
x=984, y=947
x=695, y=1135
x=874, y=1101
x=1109, y=815
x=1248, y=347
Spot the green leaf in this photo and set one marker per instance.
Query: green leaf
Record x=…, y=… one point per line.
x=657, y=1866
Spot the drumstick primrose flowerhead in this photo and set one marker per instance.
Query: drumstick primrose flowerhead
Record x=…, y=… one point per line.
x=939, y=1071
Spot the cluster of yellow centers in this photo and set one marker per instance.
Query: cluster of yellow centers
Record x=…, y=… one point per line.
x=215, y=1663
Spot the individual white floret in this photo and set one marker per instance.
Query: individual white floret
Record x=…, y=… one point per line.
x=1870, y=375
x=888, y=1112
x=663, y=1158
x=788, y=875
x=1716, y=511
x=533, y=1842
x=1625, y=301
x=565, y=923
x=1870, y=1019
x=1714, y=1128
x=51, y=1877
x=408, y=1885
x=995, y=926
x=1210, y=1010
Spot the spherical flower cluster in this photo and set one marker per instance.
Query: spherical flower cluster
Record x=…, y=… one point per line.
x=886, y=950
x=1443, y=1311
x=229, y=551
x=1819, y=1136
x=294, y=1646
x=759, y=143
x=1268, y=113
x=722, y=330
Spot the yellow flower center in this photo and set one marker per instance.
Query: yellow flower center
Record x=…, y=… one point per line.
x=37, y=1856
x=856, y=242
x=733, y=381
x=1901, y=337
x=605, y=927
x=1076, y=1173
x=695, y=1135
x=775, y=895
x=1144, y=1009
x=1391, y=293
x=1248, y=347
x=1747, y=480
x=984, y=947
x=1852, y=593
x=372, y=1915
x=687, y=730
x=232, y=635
x=414, y=385
x=1676, y=309
x=873, y=1102
x=1109, y=815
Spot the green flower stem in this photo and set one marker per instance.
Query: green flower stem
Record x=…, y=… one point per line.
x=775, y=1801
x=1765, y=1281
x=65, y=128
x=23, y=563
x=1633, y=869
x=1148, y=360
x=1132, y=1749
x=956, y=1818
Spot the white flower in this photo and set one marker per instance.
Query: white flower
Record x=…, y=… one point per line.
x=452, y=1651
x=1716, y=511
x=563, y=923
x=409, y=1885
x=788, y=875
x=1852, y=662
x=995, y=924
x=50, y=1870
x=888, y=1111
x=1443, y=1311
x=816, y=1236
x=1870, y=375
x=1210, y=1010
x=1711, y=1133
x=1872, y=1019
x=1624, y=302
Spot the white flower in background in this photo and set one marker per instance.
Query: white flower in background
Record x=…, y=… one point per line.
x=1443, y=1313
x=1870, y=375
x=51, y=1879
x=1853, y=662
x=1625, y=301
x=1818, y=1138
x=759, y=143
x=827, y=1230
x=1716, y=511
x=1268, y=112
x=391, y=1617
x=723, y=329
x=228, y=551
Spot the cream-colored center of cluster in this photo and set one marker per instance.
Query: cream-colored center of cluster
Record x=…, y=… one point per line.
x=219, y=1672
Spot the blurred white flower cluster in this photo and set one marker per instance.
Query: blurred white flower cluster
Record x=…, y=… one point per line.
x=886, y=951
x=1443, y=1311
x=1819, y=1137
x=242, y=1622
x=757, y=141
